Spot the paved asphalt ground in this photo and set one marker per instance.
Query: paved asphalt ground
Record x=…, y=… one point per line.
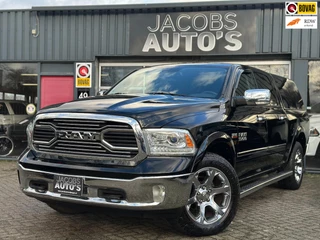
x=271, y=213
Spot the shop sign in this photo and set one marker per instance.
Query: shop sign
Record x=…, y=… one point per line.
x=302, y=22
x=83, y=75
x=301, y=8
x=193, y=33
x=296, y=15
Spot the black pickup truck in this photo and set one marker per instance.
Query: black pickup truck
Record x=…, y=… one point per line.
x=191, y=138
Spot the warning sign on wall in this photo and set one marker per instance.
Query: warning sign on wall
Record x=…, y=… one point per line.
x=83, y=78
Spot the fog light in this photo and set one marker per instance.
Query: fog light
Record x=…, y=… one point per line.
x=158, y=193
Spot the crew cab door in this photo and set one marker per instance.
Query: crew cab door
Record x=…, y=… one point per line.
x=278, y=130
x=258, y=144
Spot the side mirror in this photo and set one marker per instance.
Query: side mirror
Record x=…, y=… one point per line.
x=253, y=97
x=257, y=96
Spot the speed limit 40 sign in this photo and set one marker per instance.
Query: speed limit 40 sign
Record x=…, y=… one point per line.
x=83, y=75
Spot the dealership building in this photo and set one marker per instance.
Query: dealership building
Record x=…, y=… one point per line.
x=56, y=54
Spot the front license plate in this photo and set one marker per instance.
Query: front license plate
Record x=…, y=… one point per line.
x=68, y=185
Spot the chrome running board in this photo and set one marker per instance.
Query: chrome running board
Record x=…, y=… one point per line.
x=255, y=186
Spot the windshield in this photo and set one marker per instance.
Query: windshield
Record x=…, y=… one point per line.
x=187, y=80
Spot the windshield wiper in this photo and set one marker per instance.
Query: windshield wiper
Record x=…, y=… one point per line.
x=165, y=93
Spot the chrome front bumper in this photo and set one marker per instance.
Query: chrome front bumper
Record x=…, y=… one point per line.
x=142, y=193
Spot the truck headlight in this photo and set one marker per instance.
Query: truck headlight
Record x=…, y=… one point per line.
x=166, y=141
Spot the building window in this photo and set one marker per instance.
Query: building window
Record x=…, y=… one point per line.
x=20, y=97
x=18, y=84
x=314, y=87
x=111, y=73
x=9, y=96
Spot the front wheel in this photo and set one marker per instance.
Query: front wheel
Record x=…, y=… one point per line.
x=213, y=200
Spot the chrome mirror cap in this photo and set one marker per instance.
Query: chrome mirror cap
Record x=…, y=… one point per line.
x=258, y=96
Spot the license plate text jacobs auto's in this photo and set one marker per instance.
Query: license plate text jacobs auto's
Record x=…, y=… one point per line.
x=68, y=185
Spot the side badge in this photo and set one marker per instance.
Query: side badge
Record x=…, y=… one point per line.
x=242, y=136
x=234, y=136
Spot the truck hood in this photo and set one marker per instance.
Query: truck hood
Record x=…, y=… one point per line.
x=148, y=110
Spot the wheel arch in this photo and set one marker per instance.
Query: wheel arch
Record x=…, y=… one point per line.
x=300, y=136
x=219, y=143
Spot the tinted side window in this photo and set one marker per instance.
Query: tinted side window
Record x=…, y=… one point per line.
x=3, y=109
x=18, y=108
x=289, y=92
x=246, y=82
x=264, y=81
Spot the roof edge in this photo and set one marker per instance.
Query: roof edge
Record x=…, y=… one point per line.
x=155, y=5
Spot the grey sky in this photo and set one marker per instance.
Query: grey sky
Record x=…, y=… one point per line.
x=19, y=4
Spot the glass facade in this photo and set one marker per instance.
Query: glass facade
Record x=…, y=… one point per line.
x=18, y=88
x=111, y=74
x=314, y=87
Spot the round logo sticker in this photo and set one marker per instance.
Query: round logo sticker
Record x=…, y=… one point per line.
x=291, y=8
x=31, y=109
x=83, y=71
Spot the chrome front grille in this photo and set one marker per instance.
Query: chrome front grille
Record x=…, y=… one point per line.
x=120, y=137
x=43, y=133
x=92, y=138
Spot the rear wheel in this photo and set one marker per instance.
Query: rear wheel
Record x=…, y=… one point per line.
x=296, y=165
x=213, y=200
x=66, y=208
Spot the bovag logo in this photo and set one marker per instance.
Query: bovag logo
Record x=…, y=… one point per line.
x=301, y=8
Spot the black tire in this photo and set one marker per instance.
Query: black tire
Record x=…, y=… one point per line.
x=296, y=164
x=224, y=178
x=66, y=208
x=6, y=146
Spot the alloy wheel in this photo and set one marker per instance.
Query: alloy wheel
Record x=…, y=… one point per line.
x=210, y=197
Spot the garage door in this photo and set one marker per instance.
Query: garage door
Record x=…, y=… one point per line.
x=56, y=89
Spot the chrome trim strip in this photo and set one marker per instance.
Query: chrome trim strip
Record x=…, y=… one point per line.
x=142, y=154
x=109, y=179
x=88, y=200
x=263, y=148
